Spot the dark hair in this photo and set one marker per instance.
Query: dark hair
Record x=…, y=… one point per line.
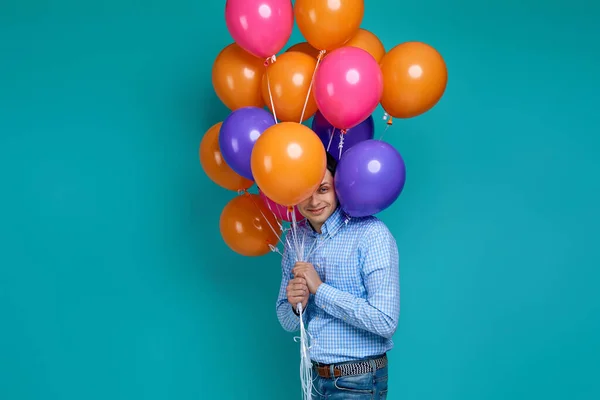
x=331, y=163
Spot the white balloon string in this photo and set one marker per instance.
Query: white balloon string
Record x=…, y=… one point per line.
x=321, y=54
x=268, y=62
x=341, y=145
x=294, y=232
x=331, y=137
x=390, y=121
x=306, y=370
x=305, y=361
x=277, y=215
x=277, y=234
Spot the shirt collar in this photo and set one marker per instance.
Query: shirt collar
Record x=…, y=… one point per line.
x=332, y=225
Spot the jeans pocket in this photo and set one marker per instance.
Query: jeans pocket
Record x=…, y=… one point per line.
x=355, y=383
x=383, y=394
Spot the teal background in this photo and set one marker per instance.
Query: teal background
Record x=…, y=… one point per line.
x=115, y=283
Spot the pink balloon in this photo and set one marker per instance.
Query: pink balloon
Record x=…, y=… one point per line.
x=280, y=211
x=261, y=27
x=348, y=86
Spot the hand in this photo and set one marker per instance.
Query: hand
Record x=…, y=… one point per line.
x=297, y=292
x=308, y=272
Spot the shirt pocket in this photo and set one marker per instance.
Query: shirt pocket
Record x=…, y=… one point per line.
x=344, y=275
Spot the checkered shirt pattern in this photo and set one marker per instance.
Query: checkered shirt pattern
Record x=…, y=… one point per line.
x=355, y=311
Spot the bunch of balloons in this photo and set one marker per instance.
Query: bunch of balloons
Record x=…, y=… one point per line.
x=338, y=77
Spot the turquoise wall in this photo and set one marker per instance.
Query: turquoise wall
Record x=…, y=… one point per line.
x=115, y=283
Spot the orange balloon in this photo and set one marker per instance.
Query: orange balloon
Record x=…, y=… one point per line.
x=369, y=42
x=245, y=228
x=327, y=25
x=414, y=79
x=289, y=78
x=215, y=166
x=288, y=163
x=306, y=48
x=236, y=78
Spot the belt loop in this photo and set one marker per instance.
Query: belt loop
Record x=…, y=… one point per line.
x=373, y=366
x=332, y=371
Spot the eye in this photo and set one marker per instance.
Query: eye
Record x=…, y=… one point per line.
x=323, y=189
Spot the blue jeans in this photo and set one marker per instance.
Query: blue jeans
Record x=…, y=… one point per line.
x=369, y=386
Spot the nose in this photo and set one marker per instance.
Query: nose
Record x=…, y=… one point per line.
x=312, y=201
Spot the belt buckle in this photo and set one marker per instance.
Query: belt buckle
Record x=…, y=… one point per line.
x=325, y=371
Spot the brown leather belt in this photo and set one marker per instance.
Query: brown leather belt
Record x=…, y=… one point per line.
x=353, y=368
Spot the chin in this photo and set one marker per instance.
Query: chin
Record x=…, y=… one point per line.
x=317, y=221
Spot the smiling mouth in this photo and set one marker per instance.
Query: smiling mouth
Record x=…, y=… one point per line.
x=317, y=211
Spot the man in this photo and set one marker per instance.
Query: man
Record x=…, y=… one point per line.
x=350, y=295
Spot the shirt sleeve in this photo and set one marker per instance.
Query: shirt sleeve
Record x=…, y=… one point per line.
x=379, y=311
x=287, y=318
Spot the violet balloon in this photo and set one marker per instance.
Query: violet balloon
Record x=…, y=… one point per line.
x=239, y=132
x=369, y=178
x=361, y=132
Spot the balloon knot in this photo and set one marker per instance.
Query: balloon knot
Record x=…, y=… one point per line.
x=270, y=60
x=390, y=121
x=322, y=54
x=343, y=131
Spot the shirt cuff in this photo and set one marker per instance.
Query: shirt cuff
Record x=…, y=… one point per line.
x=325, y=296
x=291, y=317
x=296, y=312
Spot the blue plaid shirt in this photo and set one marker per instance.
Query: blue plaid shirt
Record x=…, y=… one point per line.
x=355, y=311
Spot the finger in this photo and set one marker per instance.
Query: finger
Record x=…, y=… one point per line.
x=299, y=272
x=300, y=281
x=300, y=286
x=299, y=295
x=297, y=265
x=298, y=292
x=297, y=289
x=300, y=265
x=296, y=301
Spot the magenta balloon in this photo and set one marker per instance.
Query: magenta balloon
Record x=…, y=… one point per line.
x=261, y=27
x=348, y=86
x=280, y=211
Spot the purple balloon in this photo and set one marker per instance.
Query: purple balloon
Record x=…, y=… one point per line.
x=361, y=132
x=239, y=132
x=369, y=178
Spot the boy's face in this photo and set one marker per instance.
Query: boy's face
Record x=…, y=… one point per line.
x=323, y=202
